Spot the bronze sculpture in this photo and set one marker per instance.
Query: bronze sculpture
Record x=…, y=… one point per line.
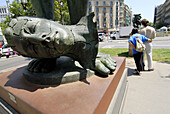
x=46, y=40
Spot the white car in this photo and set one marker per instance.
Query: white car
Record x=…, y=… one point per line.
x=101, y=36
x=6, y=51
x=114, y=35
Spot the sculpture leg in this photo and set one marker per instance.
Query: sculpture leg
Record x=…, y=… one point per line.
x=77, y=9
x=42, y=65
x=44, y=8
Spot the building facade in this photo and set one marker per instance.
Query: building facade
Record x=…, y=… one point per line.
x=162, y=14
x=3, y=13
x=110, y=14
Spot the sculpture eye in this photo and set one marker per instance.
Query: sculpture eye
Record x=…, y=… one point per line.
x=30, y=28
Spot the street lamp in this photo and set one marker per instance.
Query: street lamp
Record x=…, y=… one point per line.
x=24, y=4
x=61, y=13
x=7, y=2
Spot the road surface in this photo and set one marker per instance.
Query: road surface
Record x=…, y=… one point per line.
x=158, y=43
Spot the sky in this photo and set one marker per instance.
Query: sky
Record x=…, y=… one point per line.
x=144, y=7
x=3, y=2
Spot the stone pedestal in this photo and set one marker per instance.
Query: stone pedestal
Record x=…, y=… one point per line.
x=93, y=95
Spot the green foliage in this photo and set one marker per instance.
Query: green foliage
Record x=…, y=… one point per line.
x=159, y=25
x=123, y=52
x=162, y=55
x=151, y=24
x=4, y=25
x=16, y=9
x=61, y=12
x=162, y=34
x=136, y=20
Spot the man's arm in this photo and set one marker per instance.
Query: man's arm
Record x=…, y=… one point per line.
x=142, y=32
x=132, y=45
x=153, y=35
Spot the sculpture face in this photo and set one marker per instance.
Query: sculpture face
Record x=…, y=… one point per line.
x=35, y=37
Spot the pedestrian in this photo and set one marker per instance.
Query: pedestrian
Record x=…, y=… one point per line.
x=150, y=33
x=138, y=56
x=0, y=45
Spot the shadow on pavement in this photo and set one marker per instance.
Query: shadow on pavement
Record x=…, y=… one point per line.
x=164, y=62
x=130, y=72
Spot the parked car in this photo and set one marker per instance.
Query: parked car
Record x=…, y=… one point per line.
x=114, y=35
x=101, y=36
x=162, y=30
x=125, y=31
x=5, y=50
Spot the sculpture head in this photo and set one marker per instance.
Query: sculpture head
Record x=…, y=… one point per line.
x=36, y=37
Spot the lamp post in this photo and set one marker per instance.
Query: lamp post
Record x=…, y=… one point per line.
x=61, y=12
x=7, y=2
x=24, y=4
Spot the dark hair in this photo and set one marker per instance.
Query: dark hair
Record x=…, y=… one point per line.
x=145, y=22
x=134, y=30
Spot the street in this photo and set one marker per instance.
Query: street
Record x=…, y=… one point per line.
x=158, y=43
x=13, y=62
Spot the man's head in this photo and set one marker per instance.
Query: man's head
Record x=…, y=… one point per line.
x=134, y=31
x=145, y=22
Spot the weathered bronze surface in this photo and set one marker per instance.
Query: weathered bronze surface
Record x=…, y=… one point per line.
x=46, y=40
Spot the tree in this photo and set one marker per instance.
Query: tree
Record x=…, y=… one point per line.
x=4, y=24
x=61, y=12
x=159, y=25
x=151, y=24
x=136, y=20
x=16, y=9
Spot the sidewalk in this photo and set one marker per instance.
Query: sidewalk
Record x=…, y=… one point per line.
x=150, y=92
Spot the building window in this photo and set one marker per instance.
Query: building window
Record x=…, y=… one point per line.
x=111, y=9
x=104, y=3
x=89, y=3
x=111, y=14
x=116, y=14
x=97, y=20
x=90, y=9
x=97, y=3
x=104, y=9
x=111, y=19
x=5, y=10
x=111, y=25
x=111, y=3
x=104, y=14
x=97, y=9
x=116, y=8
x=97, y=14
x=121, y=4
x=2, y=10
x=104, y=19
x=104, y=25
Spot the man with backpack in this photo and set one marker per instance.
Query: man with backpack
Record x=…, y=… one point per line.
x=137, y=54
